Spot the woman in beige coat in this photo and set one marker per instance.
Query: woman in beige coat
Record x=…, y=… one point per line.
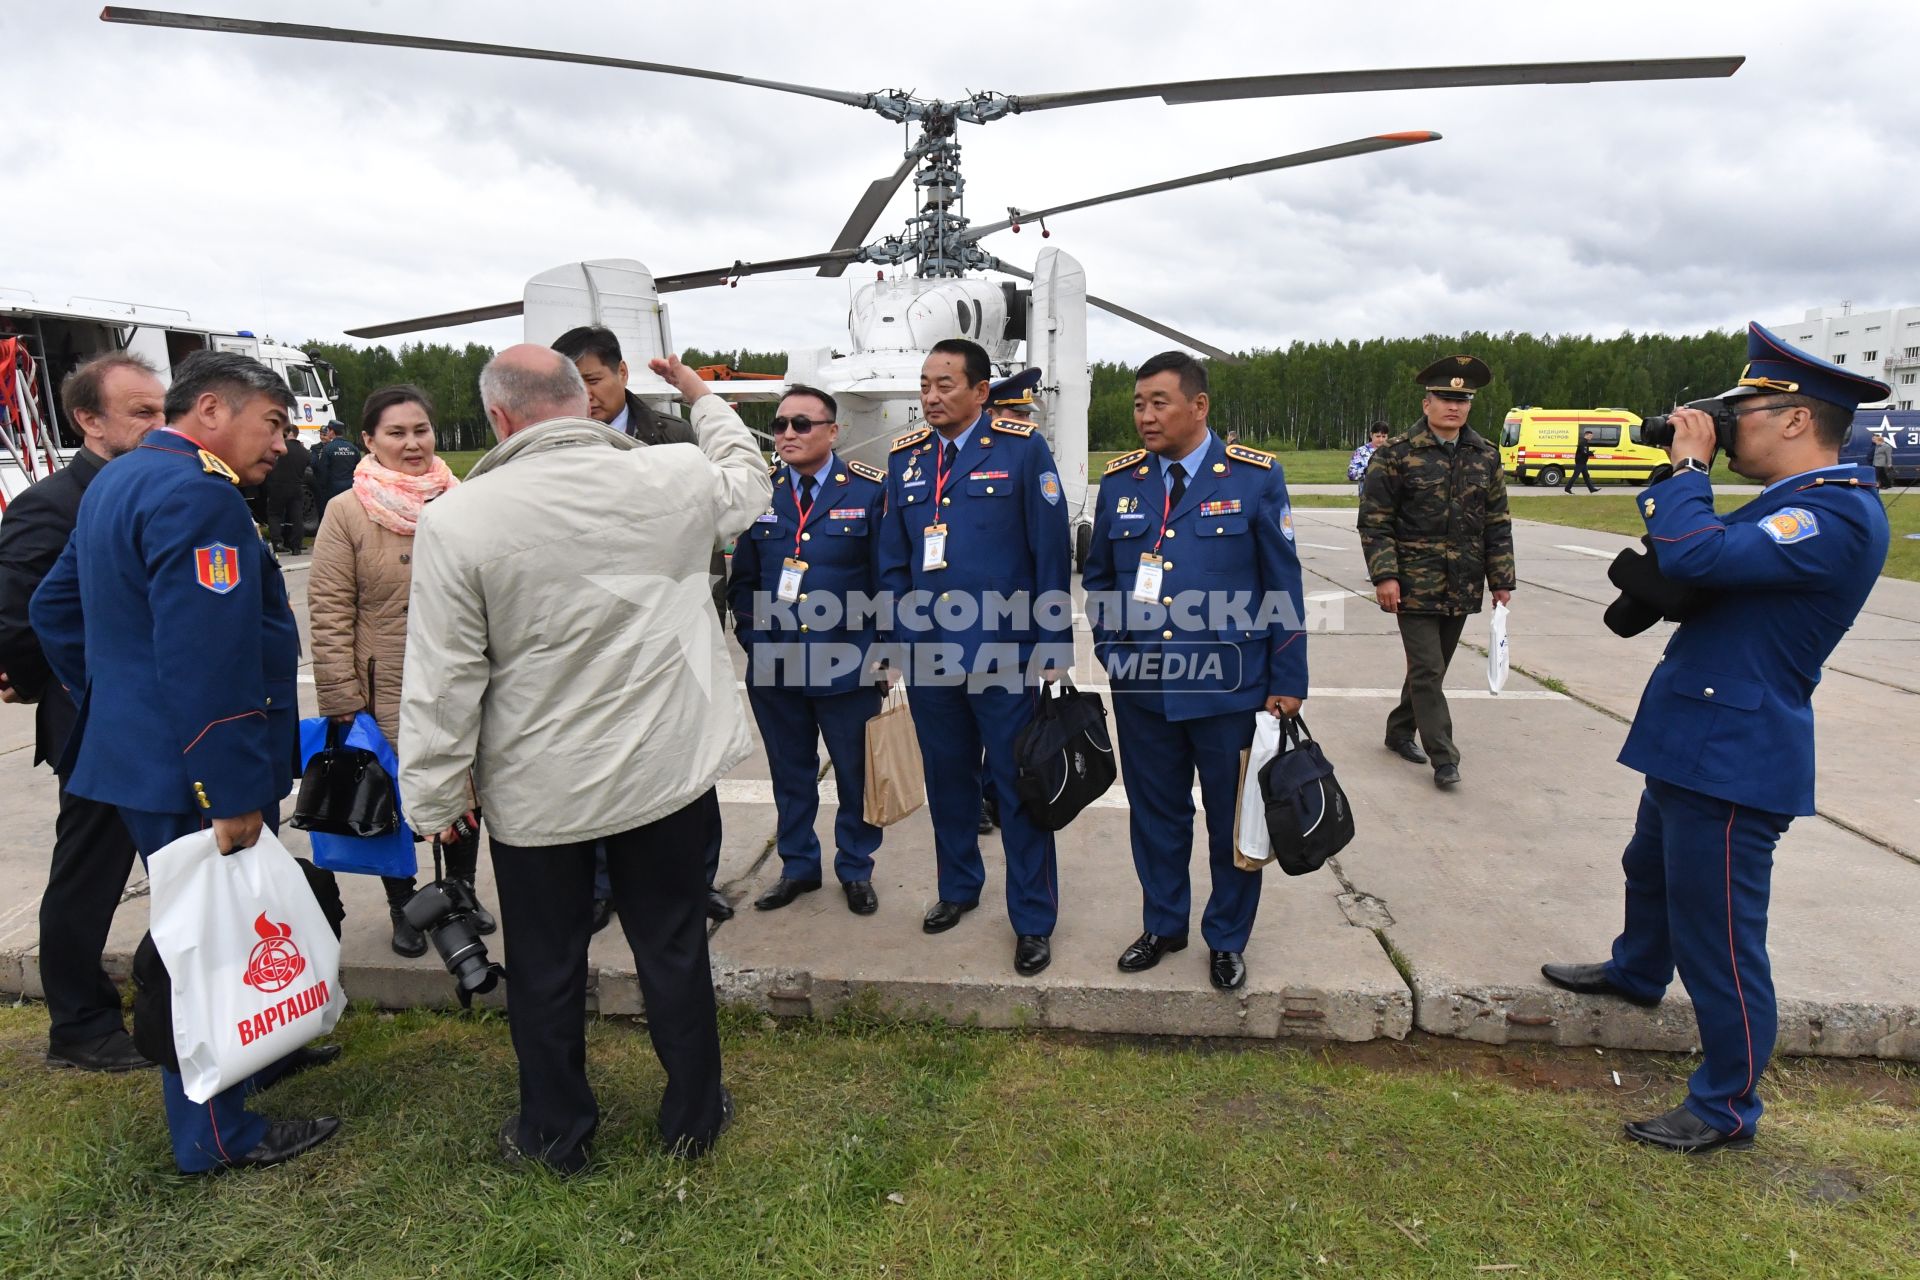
x=357, y=588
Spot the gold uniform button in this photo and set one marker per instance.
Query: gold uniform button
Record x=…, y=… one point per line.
x=943, y=595
x=803, y=595
x=1709, y=691
x=803, y=626
x=269, y=701
x=1166, y=599
x=989, y=488
x=1219, y=529
x=1172, y=533
x=1167, y=567
x=1166, y=635
x=806, y=537
x=946, y=502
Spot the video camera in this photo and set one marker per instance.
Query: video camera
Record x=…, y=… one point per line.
x=1658, y=430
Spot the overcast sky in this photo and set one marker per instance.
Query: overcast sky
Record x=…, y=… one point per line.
x=299, y=188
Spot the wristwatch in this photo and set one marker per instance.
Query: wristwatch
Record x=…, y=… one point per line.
x=1692, y=464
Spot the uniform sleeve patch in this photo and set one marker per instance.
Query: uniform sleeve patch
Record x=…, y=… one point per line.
x=1790, y=525
x=217, y=567
x=1050, y=488
x=1286, y=522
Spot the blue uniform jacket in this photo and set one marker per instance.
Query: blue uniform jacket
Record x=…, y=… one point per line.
x=1007, y=536
x=1229, y=542
x=840, y=545
x=168, y=619
x=1728, y=711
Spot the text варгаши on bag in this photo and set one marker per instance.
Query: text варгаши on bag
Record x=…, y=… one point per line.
x=1064, y=757
x=1308, y=817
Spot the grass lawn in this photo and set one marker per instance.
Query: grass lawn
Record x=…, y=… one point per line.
x=878, y=1149
x=461, y=461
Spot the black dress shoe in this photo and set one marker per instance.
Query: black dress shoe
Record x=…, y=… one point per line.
x=1407, y=749
x=306, y=1058
x=407, y=940
x=1681, y=1130
x=718, y=908
x=943, y=915
x=1147, y=950
x=688, y=1149
x=1031, y=954
x=1226, y=970
x=783, y=892
x=861, y=899
x=1446, y=775
x=1591, y=980
x=113, y=1051
x=285, y=1139
x=602, y=914
x=986, y=820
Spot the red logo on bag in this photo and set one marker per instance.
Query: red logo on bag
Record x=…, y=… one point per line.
x=275, y=961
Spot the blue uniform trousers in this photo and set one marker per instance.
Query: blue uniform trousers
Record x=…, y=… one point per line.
x=792, y=722
x=1158, y=759
x=952, y=725
x=215, y=1132
x=1698, y=874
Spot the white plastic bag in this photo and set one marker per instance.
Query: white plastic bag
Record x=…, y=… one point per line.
x=1251, y=847
x=255, y=966
x=1497, y=650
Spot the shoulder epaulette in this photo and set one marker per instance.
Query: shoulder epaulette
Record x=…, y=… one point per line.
x=214, y=466
x=1013, y=427
x=773, y=468
x=1253, y=457
x=911, y=438
x=867, y=470
x=1124, y=461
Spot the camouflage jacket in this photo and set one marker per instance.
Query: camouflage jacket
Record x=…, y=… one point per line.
x=1437, y=522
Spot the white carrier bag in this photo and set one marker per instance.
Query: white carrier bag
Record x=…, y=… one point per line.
x=1497, y=649
x=1252, y=846
x=254, y=964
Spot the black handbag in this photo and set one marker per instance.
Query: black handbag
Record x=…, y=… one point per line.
x=1064, y=757
x=1308, y=817
x=346, y=791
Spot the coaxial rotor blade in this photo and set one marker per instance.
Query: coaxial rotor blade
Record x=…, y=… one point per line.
x=344, y=35
x=721, y=275
x=445, y=320
x=1164, y=330
x=867, y=212
x=1180, y=92
x=1357, y=147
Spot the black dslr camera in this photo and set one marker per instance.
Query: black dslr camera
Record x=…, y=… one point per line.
x=444, y=911
x=1658, y=430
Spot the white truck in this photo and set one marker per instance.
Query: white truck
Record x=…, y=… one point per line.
x=60, y=336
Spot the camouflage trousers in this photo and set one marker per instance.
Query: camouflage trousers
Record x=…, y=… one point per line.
x=1429, y=640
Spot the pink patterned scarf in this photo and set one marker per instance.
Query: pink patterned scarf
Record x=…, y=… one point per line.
x=394, y=499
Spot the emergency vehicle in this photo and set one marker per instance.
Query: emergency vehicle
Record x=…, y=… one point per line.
x=1537, y=446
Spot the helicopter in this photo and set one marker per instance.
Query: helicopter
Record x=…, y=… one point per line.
x=1036, y=319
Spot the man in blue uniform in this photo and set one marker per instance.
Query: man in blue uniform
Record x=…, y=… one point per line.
x=975, y=555
x=1724, y=732
x=167, y=618
x=793, y=574
x=1193, y=593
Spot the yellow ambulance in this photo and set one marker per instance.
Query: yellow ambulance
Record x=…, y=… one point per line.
x=1537, y=446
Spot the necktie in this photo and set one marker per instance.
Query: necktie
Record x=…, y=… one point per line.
x=806, y=492
x=1179, y=486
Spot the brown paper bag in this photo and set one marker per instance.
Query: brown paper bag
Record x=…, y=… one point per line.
x=896, y=778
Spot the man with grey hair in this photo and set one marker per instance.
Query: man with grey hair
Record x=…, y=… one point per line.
x=114, y=400
x=562, y=650
x=167, y=618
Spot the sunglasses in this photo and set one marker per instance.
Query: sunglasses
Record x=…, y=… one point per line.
x=799, y=425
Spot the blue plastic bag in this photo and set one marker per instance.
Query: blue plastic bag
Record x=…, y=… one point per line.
x=389, y=855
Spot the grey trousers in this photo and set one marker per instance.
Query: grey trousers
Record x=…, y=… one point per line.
x=1429, y=640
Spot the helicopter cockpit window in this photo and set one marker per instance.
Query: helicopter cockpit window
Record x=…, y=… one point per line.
x=960, y=309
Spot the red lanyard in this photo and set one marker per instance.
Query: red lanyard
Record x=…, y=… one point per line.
x=1166, y=510
x=804, y=511
x=940, y=473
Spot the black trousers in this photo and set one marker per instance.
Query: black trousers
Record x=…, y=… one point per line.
x=1580, y=475
x=710, y=810
x=546, y=904
x=286, y=519
x=92, y=854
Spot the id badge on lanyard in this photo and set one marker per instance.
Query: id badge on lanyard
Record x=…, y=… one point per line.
x=791, y=569
x=1146, y=587
x=933, y=552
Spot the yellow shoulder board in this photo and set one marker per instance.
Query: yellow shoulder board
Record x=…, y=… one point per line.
x=1253, y=457
x=1124, y=461
x=1013, y=427
x=773, y=468
x=864, y=469
x=911, y=438
x=215, y=467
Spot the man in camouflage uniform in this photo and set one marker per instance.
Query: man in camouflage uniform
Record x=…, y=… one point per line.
x=1434, y=526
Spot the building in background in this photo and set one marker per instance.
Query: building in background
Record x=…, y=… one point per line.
x=1880, y=344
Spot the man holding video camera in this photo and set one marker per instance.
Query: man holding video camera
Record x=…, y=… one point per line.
x=1724, y=733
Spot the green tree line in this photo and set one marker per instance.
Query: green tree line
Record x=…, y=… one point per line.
x=1311, y=395
x=1319, y=395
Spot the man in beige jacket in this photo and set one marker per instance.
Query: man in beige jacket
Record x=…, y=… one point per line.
x=562, y=644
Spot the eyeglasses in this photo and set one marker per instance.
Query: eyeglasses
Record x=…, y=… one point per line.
x=1760, y=408
x=800, y=425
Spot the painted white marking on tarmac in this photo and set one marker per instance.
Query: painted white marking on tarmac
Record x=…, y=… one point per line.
x=1585, y=551
x=31, y=904
x=1322, y=546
